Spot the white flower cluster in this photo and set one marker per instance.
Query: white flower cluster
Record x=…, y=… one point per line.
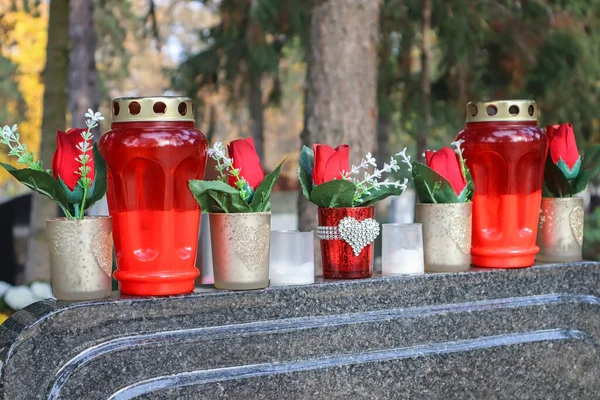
x=405, y=158
x=92, y=119
x=18, y=297
x=371, y=181
x=458, y=150
x=10, y=137
x=225, y=168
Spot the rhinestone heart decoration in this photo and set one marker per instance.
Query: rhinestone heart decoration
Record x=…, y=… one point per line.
x=251, y=245
x=358, y=234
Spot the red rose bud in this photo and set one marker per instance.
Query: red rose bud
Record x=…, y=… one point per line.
x=446, y=163
x=65, y=164
x=244, y=156
x=563, y=149
x=330, y=162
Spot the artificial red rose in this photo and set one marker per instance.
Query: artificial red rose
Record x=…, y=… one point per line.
x=563, y=147
x=330, y=162
x=65, y=162
x=244, y=156
x=446, y=163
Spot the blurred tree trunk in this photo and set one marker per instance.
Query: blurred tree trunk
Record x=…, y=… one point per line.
x=83, y=77
x=383, y=139
x=54, y=117
x=341, y=82
x=255, y=106
x=385, y=82
x=425, y=81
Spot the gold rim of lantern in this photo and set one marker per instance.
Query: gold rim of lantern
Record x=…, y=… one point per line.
x=159, y=108
x=502, y=110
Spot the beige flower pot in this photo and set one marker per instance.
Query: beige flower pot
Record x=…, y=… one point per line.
x=240, y=250
x=80, y=257
x=446, y=236
x=560, y=230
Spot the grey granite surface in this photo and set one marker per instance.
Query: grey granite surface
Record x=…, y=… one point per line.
x=485, y=334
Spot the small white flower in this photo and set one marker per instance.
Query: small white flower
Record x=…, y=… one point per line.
x=19, y=297
x=405, y=158
x=41, y=290
x=4, y=287
x=457, y=143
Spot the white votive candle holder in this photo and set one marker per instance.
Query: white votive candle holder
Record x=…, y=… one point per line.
x=292, y=258
x=402, y=249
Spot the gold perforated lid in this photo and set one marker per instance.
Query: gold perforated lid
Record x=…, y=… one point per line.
x=163, y=108
x=502, y=110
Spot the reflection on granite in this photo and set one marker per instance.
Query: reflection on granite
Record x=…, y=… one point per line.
x=485, y=334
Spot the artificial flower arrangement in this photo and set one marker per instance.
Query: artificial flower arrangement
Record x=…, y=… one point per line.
x=328, y=181
x=347, y=226
x=242, y=186
x=77, y=179
x=443, y=178
x=567, y=173
x=239, y=204
x=445, y=188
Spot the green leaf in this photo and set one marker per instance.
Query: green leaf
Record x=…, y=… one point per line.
x=73, y=197
x=332, y=194
x=555, y=182
x=218, y=197
x=378, y=195
x=463, y=197
x=39, y=181
x=590, y=166
x=262, y=197
x=100, y=184
x=569, y=173
x=431, y=187
x=305, y=170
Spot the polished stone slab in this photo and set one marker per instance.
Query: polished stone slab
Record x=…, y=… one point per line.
x=507, y=334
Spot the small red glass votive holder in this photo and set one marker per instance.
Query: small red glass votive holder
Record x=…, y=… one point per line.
x=346, y=236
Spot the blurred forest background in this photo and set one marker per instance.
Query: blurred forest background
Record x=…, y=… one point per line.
x=246, y=62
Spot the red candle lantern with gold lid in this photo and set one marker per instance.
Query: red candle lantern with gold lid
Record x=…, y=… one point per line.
x=152, y=151
x=505, y=151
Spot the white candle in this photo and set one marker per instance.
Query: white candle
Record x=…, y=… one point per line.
x=403, y=261
x=290, y=274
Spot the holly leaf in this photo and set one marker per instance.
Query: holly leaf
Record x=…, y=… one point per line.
x=378, y=195
x=262, y=197
x=40, y=181
x=100, y=183
x=307, y=159
x=556, y=183
x=432, y=187
x=332, y=194
x=217, y=197
x=590, y=166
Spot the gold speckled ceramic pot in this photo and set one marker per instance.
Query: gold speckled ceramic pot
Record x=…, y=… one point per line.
x=240, y=250
x=80, y=257
x=446, y=236
x=560, y=230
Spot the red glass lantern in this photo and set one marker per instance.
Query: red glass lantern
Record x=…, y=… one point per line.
x=152, y=151
x=505, y=151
